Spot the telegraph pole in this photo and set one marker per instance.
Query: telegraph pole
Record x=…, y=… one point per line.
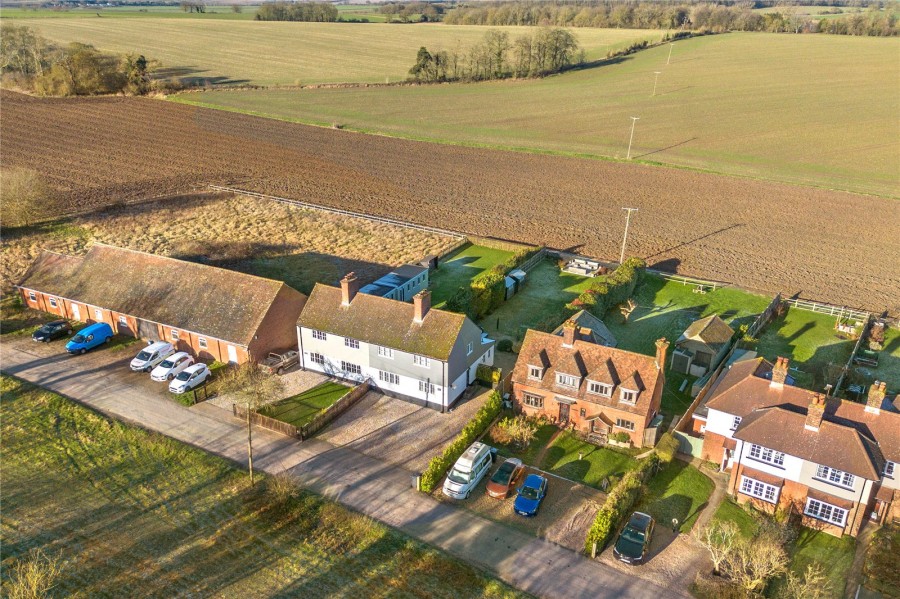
x=625, y=237
x=655, y=81
x=671, y=45
x=634, y=119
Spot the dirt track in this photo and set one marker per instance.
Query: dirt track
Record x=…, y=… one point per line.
x=831, y=246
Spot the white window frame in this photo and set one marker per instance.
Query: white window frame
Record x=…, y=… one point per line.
x=317, y=358
x=386, y=352
x=351, y=368
x=32, y=296
x=388, y=377
x=469, y=349
x=98, y=314
x=628, y=396
x=174, y=334
x=736, y=423
x=535, y=373
x=53, y=302
x=833, y=476
x=601, y=389
x=623, y=424
x=759, y=489
x=421, y=361
x=426, y=387
x=533, y=401
x=826, y=512
x=320, y=335
x=123, y=320
x=889, y=469
x=351, y=343
x=764, y=454
x=566, y=380
x=201, y=341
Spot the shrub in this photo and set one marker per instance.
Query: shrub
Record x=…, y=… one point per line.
x=473, y=429
x=620, y=437
x=504, y=345
x=667, y=448
x=518, y=431
x=487, y=375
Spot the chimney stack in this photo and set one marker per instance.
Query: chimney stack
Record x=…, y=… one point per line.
x=570, y=331
x=421, y=305
x=779, y=372
x=876, y=397
x=349, y=288
x=661, y=347
x=815, y=412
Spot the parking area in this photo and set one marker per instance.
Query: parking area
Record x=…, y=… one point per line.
x=565, y=515
x=673, y=561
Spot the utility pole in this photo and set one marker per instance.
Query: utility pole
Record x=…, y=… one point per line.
x=625, y=237
x=655, y=81
x=671, y=45
x=634, y=120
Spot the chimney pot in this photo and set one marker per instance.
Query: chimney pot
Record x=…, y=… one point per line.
x=780, y=371
x=570, y=331
x=876, y=397
x=662, y=347
x=349, y=288
x=815, y=412
x=421, y=305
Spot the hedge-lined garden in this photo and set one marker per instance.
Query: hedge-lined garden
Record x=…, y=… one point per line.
x=475, y=427
x=486, y=292
x=611, y=290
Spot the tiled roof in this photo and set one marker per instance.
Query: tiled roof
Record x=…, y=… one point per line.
x=834, y=445
x=712, y=330
x=382, y=321
x=220, y=303
x=590, y=328
x=619, y=364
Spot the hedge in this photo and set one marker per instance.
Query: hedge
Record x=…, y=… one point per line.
x=487, y=375
x=618, y=503
x=486, y=292
x=611, y=290
x=667, y=448
x=474, y=428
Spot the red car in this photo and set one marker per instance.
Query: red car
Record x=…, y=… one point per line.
x=505, y=478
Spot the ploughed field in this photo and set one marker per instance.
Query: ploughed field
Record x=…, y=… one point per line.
x=828, y=245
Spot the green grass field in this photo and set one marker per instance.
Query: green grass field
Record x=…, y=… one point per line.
x=595, y=465
x=302, y=408
x=131, y=513
x=808, y=109
x=460, y=267
x=680, y=491
x=285, y=53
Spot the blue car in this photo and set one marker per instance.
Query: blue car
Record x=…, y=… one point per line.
x=90, y=337
x=530, y=495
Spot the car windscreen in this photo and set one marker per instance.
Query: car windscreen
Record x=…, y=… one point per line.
x=144, y=355
x=459, y=477
x=46, y=329
x=633, y=535
x=78, y=338
x=503, y=473
x=183, y=375
x=628, y=547
x=168, y=364
x=529, y=493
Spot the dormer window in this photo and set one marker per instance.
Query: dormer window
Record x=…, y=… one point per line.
x=601, y=389
x=535, y=372
x=566, y=380
x=628, y=396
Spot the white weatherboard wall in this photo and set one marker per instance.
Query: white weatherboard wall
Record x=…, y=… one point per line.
x=719, y=423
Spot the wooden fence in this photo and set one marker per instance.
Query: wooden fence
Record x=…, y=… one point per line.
x=763, y=319
x=271, y=424
x=534, y=260
x=849, y=365
x=335, y=410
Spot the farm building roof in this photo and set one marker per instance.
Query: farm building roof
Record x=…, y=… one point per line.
x=382, y=321
x=712, y=330
x=212, y=301
x=393, y=280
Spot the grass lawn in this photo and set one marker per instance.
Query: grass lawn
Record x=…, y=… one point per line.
x=132, y=513
x=810, y=341
x=302, y=408
x=460, y=267
x=539, y=305
x=530, y=453
x=888, y=363
x=680, y=491
x=835, y=556
x=597, y=463
x=730, y=511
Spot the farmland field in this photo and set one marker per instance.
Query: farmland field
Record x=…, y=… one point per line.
x=131, y=513
x=832, y=246
x=289, y=53
x=814, y=110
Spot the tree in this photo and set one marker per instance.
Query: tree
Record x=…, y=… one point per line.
x=236, y=8
x=252, y=387
x=627, y=308
x=26, y=198
x=719, y=538
x=136, y=74
x=813, y=584
x=753, y=562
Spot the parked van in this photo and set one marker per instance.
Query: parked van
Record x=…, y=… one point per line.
x=90, y=337
x=469, y=469
x=150, y=356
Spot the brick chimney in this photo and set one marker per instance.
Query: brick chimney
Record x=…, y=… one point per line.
x=349, y=288
x=421, y=305
x=570, y=331
x=661, y=347
x=779, y=372
x=815, y=412
x=876, y=397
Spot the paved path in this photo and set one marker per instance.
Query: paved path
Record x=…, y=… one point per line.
x=102, y=380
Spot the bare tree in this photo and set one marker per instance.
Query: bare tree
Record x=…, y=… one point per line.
x=627, y=308
x=252, y=387
x=752, y=563
x=33, y=576
x=813, y=584
x=719, y=538
x=24, y=198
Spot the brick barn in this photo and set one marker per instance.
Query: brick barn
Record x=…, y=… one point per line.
x=212, y=313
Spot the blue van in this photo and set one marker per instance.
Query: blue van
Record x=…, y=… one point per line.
x=90, y=337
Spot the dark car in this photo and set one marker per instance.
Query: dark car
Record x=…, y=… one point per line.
x=530, y=495
x=633, y=543
x=52, y=330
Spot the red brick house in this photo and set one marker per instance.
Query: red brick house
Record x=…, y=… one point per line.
x=594, y=389
x=213, y=313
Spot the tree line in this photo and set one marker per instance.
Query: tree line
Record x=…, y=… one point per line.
x=317, y=12
x=496, y=56
x=703, y=17
x=407, y=12
x=30, y=62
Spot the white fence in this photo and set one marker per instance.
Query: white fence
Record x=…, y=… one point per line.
x=830, y=309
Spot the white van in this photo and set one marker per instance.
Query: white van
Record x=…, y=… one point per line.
x=151, y=356
x=468, y=470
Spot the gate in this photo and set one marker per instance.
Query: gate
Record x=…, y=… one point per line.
x=147, y=329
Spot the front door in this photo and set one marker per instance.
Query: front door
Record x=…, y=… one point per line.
x=232, y=354
x=563, y=413
x=76, y=312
